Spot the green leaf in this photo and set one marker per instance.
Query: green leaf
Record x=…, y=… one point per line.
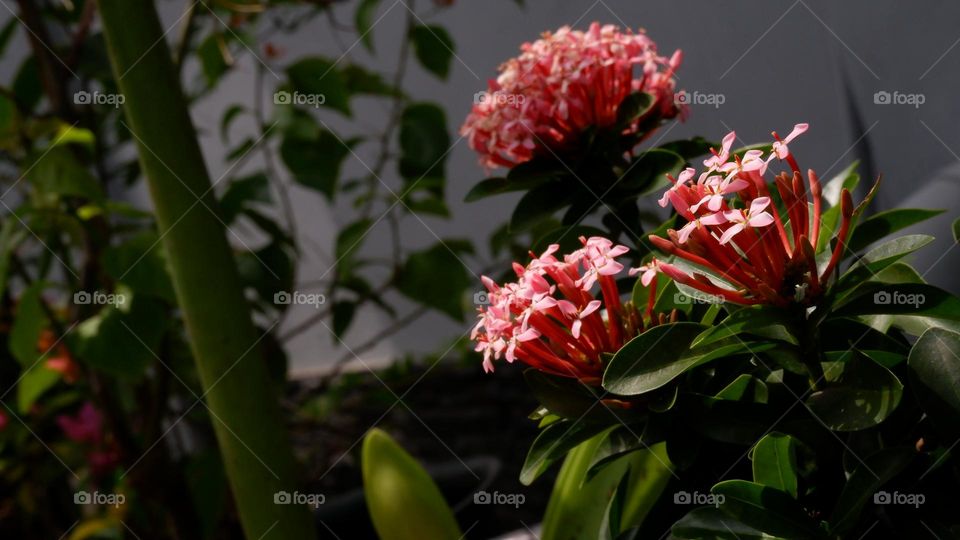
x=745, y=388
x=563, y=396
x=58, y=172
x=956, y=231
x=634, y=106
x=647, y=173
x=867, y=478
x=661, y=354
x=553, y=442
x=775, y=463
x=141, y=264
x=212, y=58
x=26, y=85
x=537, y=205
x=227, y=119
x=29, y=322
x=766, y=509
x=350, y=238
x=912, y=299
x=709, y=523
x=436, y=277
x=404, y=502
x=881, y=257
x=343, y=313
x=884, y=223
x=243, y=193
x=424, y=141
x=433, y=47
x=757, y=320
x=935, y=363
x=363, y=20
x=860, y=394
x=361, y=81
x=12, y=233
x=315, y=162
x=34, y=382
x=316, y=76
x=689, y=149
x=497, y=185
x=122, y=341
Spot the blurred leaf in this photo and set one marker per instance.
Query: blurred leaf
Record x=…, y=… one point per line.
x=867, y=478
x=315, y=162
x=122, y=341
x=29, y=321
x=859, y=394
x=433, y=47
x=214, y=58
x=268, y=270
x=935, y=363
x=436, y=277
x=424, y=141
x=635, y=105
x=956, y=231
x=360, y=81
x=363, y=20
x=766, y=509
x=647, y=172
x=775, y=463
x=12, y=233
x=7, y=32
x=568, y=238
x=26, y=84
x=227, y=119
x=241, y=192
x=427, y=205
x=58, y=172
x=690, y=148
x=709, y=523
x=882, y=224
x=343, y=313
x=9, y=124
x=537, y=205
x=32, y=384
x=319, y=77
x=404, y=502
x=350, y=238
x=497, y=185
x=140, y=263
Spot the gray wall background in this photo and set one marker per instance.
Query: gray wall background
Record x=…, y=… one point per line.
x=775, y=63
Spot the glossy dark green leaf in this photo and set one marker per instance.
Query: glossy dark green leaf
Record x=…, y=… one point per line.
x=757, y=320
x=709, y=523
x=881, y=257
x=553, y=442
x=437, y=277
x=913, y=299
x=424, y=141
x=661, y=354
x=537, y=205
x=568, y=238
x=766, y=509
x=859, y=394
x=745, y=388
x=866, y=480
x=882, y=224
x=498, y=184
x=647, y=172
x=563, y=396
x=690, y=148
x=935, y=363
x=775, y=463
x=433, y=47
x=318, y=77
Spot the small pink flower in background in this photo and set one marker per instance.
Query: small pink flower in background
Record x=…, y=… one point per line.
x=562, y=84
x=4, y=420
x=84, y=427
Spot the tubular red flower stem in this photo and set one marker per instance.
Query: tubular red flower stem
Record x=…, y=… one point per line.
x=765, y=192
x=552, y=328
x=728, y=263
x=846, y=209
x=810, y=257
x=801, y=193
x=817, y=193
x=670, y=248
x=611, y=300
x=791, y=203
x=651, y=298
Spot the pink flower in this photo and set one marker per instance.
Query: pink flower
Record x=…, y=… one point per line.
x=562, y=84
x=747, y=245
x=755, y=217
x=84, y=427
x=570, y=309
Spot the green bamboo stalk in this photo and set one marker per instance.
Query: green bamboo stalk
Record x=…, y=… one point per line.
x=249, y=428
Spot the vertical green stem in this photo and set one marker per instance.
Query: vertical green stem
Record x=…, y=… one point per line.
x=246, y=416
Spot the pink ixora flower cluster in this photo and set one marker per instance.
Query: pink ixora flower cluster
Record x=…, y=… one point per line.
x=549, y=318
x=755, y=252
x=563, y=83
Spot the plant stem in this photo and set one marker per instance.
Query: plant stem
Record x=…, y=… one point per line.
x=249, y=429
